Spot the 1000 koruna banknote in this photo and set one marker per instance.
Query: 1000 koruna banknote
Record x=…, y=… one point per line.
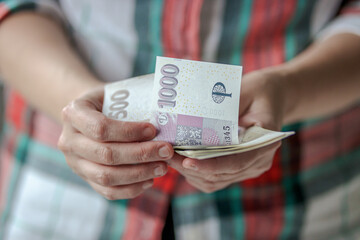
x=196, y=103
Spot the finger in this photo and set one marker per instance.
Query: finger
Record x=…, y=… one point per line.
x=122, y=192
x=119, y=153
x=245, y=97
x=176, y=163
x=74, y=143
x=207, y=186
x=255, y=170
x=262, y=165
x=229, y=164
x=92, y=123
x=119, y=175
x=210, y=179
x=177, y=160
x=249, y=120
x=247, y=176
x=72, y=162
x=252, y=171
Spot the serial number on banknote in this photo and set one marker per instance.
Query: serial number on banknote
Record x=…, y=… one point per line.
x=227, y=135
x=214, y=112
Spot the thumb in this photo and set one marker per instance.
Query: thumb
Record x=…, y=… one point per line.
x=249, y=121
x=264, y=120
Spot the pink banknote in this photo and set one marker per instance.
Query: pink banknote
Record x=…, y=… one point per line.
x=185, y=130
x=196, y=103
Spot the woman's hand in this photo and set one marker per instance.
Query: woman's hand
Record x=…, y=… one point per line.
x=210, y=175
x=262, y=100
x=307, y=86
x=114, y=157
x=261, y=104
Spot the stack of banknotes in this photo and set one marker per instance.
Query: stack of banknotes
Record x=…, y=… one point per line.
x=194, y=105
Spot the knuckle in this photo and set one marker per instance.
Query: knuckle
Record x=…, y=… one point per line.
x=73, y=167
x=211, y=178
x=209, y=186
x=268, y=166
x=75, y=103
x=109, y=194
x=264, y=166
x=132, y=192
x=127, y=132
x=189, y=180
x=257, y=174
x=105, y=154
x=209, y=189
x=103, y=178
x=99, y=129
x=65, y=112
x=78, y=172
x=143, y=154
x=138, y=175
x=63, y=145
x=246, y=163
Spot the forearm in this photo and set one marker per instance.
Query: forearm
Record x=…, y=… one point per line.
x=37, y=60
x=323, y=79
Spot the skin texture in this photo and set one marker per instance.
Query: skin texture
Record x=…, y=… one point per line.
x=116, y=158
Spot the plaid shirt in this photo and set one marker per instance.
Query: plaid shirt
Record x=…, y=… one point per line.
x=312, y=190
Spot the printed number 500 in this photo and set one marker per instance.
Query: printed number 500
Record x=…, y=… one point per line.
x=118, y=106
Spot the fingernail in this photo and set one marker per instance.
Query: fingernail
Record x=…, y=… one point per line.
x=159, y=171
x=148, y=132
x=189, y=165
x=147, y=185
x=164, y=152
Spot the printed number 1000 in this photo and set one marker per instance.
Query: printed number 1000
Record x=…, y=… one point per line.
x=168, y=82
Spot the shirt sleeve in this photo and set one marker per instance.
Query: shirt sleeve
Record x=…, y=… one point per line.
x=347, y=21
x=50, y=8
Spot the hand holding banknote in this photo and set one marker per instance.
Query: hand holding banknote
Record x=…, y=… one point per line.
x=188, y=102
x=115, y=157
x=261, y=105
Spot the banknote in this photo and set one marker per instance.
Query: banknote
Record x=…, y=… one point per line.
x=130, y=99
x=249, y=139
x=196, y=103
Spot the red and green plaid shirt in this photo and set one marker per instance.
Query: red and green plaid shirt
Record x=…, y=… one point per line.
x=312, y=190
